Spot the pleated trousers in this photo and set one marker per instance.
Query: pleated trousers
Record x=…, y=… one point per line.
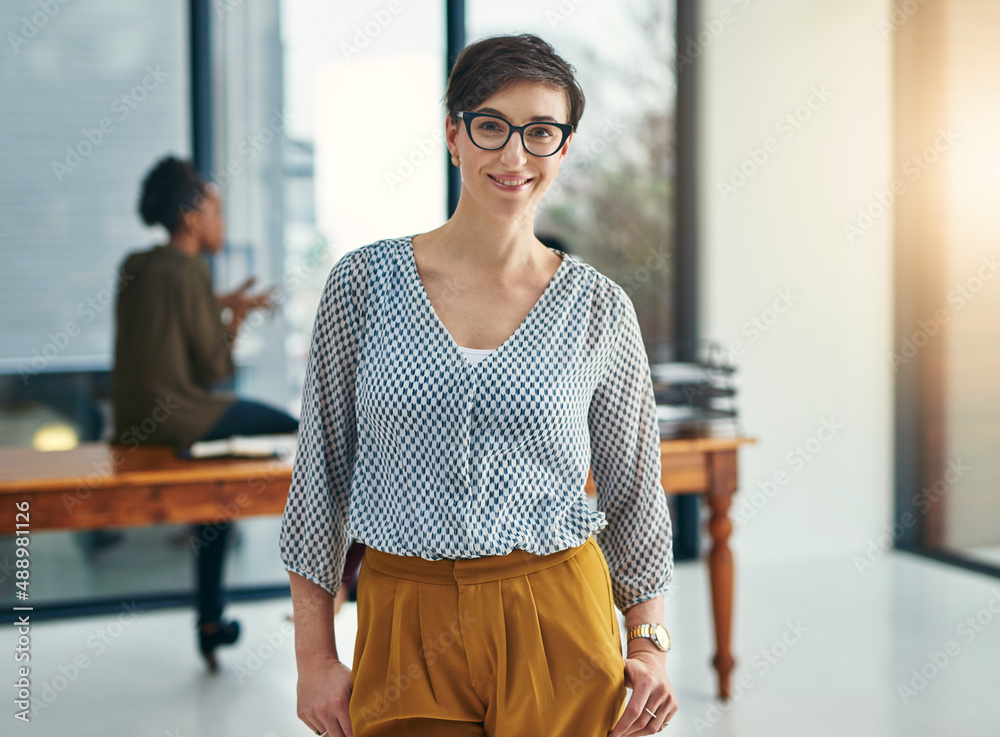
x=503, y=646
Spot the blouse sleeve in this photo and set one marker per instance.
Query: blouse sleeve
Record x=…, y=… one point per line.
x=625, y=461
x=205, y=335
x=314, y=528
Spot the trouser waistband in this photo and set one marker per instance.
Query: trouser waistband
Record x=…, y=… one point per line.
x=467, y=570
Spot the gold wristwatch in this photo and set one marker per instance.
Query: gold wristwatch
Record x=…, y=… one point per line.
x=655, y=632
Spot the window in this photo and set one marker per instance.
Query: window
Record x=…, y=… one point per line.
x=946, y=351
x=314, y=159
x=93, y=95
x=612, y=205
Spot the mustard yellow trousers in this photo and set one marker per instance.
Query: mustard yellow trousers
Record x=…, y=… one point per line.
x=504, y=645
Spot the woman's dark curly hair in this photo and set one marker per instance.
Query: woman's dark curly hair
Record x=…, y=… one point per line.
x=171, y=187
x=485, y=67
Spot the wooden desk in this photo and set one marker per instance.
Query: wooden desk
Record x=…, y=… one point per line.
x=96, y=485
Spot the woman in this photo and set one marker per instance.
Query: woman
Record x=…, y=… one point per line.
x=172, y=349
x=460, y=383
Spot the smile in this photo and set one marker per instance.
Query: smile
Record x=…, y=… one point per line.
x=509, y=184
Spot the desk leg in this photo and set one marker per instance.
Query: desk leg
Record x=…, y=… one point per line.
x=720, y=562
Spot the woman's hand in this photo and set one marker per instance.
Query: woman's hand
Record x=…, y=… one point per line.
x=324, y=694
x=646, y=675
x=240, y=302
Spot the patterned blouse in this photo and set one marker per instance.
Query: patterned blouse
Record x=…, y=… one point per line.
x=410, y=447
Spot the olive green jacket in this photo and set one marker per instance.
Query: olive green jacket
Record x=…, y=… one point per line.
x=170, y=349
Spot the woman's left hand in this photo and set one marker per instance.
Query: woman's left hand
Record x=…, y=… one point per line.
x=646, y=675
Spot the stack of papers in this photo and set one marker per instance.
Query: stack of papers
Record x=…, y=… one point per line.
x=245, y=446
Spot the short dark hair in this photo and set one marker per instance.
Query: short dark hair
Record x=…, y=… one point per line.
x=171, y=187
x=485, y=67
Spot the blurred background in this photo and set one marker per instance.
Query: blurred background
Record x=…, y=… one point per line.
x=292, y=108
x=810, y=185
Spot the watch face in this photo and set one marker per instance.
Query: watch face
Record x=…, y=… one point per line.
x=661, y=636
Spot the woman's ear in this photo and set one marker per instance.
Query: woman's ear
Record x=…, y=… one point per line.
x=451, y=135
x=189, y=221
x=565, y=146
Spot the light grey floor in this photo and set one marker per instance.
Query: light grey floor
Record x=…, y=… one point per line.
x=822, y=650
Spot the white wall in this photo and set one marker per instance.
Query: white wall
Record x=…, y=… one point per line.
x=782, y=232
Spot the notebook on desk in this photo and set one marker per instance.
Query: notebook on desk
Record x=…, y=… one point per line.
x=243, y=446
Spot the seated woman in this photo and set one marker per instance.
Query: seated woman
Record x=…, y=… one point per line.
x=172, y=349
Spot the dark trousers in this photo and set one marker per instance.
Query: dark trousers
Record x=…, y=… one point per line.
x=246, y=417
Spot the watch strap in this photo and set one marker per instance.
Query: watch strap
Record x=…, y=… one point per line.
x=640, y=630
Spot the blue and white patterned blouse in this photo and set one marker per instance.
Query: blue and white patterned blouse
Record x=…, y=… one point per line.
x=408, y=446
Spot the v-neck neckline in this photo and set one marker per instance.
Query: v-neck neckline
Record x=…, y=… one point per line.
x=525, y=324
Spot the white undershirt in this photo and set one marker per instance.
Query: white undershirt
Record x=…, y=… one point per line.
x=476, y=354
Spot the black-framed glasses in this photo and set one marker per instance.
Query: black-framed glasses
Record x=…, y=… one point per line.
x=491, y=132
